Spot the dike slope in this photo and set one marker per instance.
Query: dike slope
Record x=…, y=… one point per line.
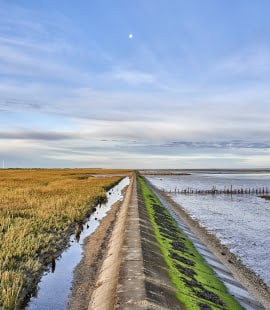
x=152, y=264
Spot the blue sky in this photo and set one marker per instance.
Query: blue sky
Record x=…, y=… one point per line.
x=190, y=89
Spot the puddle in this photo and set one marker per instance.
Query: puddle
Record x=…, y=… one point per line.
x=54, y=288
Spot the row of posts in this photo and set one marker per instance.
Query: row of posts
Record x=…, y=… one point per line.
x=214, y=191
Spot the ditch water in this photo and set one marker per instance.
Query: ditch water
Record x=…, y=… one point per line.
x=54, y=288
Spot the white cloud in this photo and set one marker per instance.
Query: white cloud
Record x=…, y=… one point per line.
x=142, y=116
x=16, y=62
x=134, y=77
x=249, y=62
x=138, y=104
x=258, y=161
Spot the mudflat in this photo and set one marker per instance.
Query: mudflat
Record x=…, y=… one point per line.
x=242, y=273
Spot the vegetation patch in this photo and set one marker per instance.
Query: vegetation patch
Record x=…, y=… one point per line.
x=266, y=197
x=39, y=209
x=196, y=284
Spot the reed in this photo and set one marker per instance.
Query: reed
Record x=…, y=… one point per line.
x=37, y=209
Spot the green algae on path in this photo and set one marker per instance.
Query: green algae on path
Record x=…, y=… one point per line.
x=196, y=284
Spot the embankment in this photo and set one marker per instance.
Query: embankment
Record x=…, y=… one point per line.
x=151, y=264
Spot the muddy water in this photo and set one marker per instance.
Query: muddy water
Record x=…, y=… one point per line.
x=54, y=287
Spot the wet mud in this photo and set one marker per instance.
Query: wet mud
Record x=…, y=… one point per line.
x=85, y=274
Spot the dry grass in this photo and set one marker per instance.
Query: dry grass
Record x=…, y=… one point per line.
x=37, y=209
x=267, y=197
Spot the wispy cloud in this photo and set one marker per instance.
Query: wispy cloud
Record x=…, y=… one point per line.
x=252, y=61
x=37, y=135
x=134, y=77
x=142, y=116
x=35, y=45
x=231, y=144
x=73, y=92
x=17, y=62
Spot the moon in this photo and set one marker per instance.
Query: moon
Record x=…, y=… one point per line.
x=130, y=36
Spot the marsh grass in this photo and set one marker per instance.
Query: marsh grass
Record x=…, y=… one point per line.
x=37, y=210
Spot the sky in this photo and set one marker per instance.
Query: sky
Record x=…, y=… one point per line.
x=135, y=84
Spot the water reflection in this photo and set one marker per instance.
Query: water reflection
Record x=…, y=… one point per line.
x=52, y=295
x=53, y=264
x=78, y=231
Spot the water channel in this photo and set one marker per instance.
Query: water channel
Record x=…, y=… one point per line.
x=55, y=285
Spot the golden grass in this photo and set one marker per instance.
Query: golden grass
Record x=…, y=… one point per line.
x=37, y=209
x=267, y=197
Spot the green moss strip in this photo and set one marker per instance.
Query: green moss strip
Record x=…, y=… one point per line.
x=197, y=285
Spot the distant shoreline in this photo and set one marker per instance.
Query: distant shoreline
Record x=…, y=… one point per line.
x=209, y=171
x=164, y=173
